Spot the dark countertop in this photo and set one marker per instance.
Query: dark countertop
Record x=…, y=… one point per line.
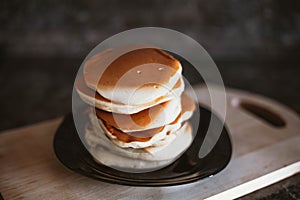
x=286, y=189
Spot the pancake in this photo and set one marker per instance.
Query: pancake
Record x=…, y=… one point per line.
x=142, y=139
x=133, y=165
x=92, y=98
x=138, y=119
x=136, y=77
x=104, y=151
x=149, y=118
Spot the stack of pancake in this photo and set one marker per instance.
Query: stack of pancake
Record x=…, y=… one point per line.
x=139, y=111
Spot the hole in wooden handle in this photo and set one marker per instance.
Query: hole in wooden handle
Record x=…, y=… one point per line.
x=263, y=113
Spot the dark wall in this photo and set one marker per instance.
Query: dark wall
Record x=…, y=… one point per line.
x=227, y=29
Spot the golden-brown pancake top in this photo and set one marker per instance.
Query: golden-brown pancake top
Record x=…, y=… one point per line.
x=134, y=68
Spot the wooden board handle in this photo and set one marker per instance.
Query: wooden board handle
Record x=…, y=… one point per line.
x=263, y=111
x=249, y=114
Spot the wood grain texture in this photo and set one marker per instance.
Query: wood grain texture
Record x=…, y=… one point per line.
x=262, y=154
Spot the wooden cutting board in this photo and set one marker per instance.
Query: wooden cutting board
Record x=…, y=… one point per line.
x=262, y=154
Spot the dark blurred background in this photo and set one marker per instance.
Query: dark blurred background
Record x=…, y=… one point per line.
x=255, y=44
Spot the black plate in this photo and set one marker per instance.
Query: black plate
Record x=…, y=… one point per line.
x=188, y=168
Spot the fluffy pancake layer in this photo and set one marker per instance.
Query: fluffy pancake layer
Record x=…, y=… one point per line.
x=168, y=148
x=93, y=98
x=141, y=74
x=149, y=118
x=148, y=137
